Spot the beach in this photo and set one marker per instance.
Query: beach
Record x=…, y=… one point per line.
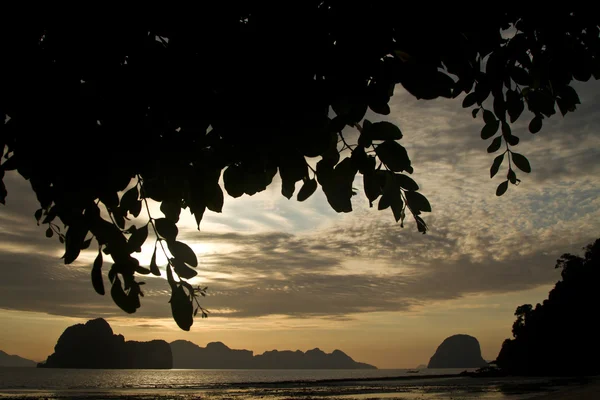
x=35, y=383
x=588, y=391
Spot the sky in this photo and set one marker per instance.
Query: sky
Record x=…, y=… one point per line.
x=287, y=275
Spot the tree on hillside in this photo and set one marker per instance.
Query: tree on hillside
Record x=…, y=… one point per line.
x=248, y=91
x=559, y=336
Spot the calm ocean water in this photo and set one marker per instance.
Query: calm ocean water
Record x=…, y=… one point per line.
x=29, y=383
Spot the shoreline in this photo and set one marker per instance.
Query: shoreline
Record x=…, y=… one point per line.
x=583, y=391
x=426, y=386
x=352, y=380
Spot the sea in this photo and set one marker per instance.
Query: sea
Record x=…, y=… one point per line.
x=239, y=384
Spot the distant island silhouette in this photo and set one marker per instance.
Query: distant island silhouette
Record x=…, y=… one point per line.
x=458, y=351
x=8, y=360
x=217, y=355
x=94, y=345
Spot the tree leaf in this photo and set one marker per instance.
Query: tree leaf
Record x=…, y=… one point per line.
x=512, y=140
x=170, y=278
x=496, y=165
x=50, y=215
x=38, y=215
x=119, y=219
x=234, y=181
x=417, y=202
x=406, y=182
x=214, y=202
x=514, y=105
x=307, y=189
x=570, y=95
x=506, y=131
x=137, y=239
x=171, y=209
x=384, y=131
x=393, y=155
x=469, y=100
x=86, y=244
x=511, y=176
x=11, y=164
x=521, y=162
x=372, y=186
x=287, y=188
x=474, y=112
x=110, y=199
x=364, y=163
x=153, y=267
x=182, y=269
x=520, y=76
x=337, y=183
x=421, y=225
x=482, y=91
x=120, y=298
x=183, y=252
x=541, y=101
x=488, y=117
x=380, y=108
x=198, y=211
x=397, y=206
x=73, y=241
x=292, y=167
x=136, y=209
x=97, y=280
x=49, y=232
x=384, y=202
x=490, y=129
x=364, y=139
x=500, y=107
x=129, y=199
x=338, y=124
x=142, y=270
x=166, y=228
x=495, y=145
x=536, y=124
x=182, y=308
x=502, y=188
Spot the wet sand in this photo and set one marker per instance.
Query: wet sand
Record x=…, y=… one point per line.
x=589, y=391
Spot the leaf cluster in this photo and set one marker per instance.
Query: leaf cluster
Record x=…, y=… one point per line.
x=191, y=111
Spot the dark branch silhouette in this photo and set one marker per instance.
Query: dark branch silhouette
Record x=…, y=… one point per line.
x=253, y=90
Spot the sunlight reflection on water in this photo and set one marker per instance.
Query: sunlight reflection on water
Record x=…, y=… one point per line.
x=29, y=383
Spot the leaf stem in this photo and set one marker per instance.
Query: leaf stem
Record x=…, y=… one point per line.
x=344, y=140
x=151, y=222
x=508, y=151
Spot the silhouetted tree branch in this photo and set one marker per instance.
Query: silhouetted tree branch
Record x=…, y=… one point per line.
x=253, y=90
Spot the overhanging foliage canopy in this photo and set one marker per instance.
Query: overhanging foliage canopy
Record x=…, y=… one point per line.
x=253, y=91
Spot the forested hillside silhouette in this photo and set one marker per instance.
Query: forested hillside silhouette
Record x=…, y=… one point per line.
x=559, y=336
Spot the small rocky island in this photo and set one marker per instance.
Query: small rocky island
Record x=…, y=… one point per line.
x=93, y=345
x=458, y=351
